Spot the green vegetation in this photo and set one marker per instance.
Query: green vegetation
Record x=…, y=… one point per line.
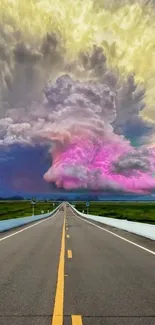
x=133, y=211
x=17, y=209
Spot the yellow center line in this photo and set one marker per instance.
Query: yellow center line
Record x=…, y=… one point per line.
x=76, y=320
x=69, y=252
x=59, y=297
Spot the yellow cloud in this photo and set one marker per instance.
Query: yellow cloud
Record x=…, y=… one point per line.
x=126, y=33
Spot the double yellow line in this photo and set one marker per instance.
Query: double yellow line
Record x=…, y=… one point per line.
x=59, y=297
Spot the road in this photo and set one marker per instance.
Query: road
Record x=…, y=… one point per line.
x=66, y=271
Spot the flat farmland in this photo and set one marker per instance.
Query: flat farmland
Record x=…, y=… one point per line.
x=132, y=211
x=17, y=209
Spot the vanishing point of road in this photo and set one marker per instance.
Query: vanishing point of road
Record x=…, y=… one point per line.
x=65, y=270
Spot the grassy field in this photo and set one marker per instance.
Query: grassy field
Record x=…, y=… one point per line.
x=134, y=211
x=16, y=209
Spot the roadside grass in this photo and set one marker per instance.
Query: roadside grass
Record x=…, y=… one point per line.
x=17, y=209
x=132, y=211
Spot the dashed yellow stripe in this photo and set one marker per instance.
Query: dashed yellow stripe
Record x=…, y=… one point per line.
x=76, y=320
x=68, y=236
x=69, y=252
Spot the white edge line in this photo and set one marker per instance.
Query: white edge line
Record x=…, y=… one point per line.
x=112, y=233
x=35, y=224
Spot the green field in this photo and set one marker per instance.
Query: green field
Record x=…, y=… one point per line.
x=133, y=211
x=16, y=209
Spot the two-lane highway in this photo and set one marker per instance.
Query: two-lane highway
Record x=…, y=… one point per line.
x=66, y=271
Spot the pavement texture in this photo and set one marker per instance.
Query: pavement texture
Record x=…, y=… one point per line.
x=28, y=273
x=107, y=281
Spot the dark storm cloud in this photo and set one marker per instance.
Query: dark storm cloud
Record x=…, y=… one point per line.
x=129, y=163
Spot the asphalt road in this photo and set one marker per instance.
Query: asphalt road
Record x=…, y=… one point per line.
x=99, y=278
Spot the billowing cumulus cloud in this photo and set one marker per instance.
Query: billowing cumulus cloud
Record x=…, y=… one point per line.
x=130, y=163
x=76, y=119
x=78, y=82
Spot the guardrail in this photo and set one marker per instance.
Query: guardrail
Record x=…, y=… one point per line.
x=17, y=222
x=142, y=229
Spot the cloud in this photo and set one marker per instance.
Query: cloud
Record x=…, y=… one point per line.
x=72, y=105
x=90, y=115
x=76, y=121
x=130, y=163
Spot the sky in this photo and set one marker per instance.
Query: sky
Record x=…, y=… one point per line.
x=77, y=93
